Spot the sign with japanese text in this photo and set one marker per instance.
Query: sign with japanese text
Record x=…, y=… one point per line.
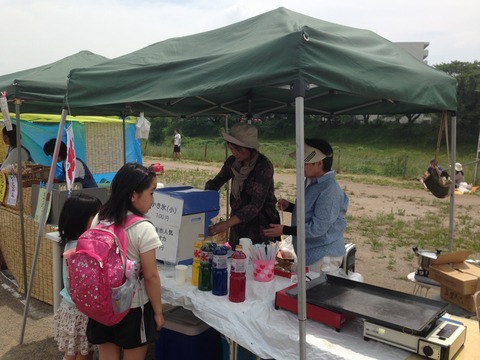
x=41, y=202
x=5, y=112
x=166, y=215
x=12, y=190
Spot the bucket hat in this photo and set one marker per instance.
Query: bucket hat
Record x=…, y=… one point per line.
x=458, y=167
x=311, y=154
x=244, y=135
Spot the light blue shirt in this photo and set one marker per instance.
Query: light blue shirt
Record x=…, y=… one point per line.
x=326, y=205
x=64, y=292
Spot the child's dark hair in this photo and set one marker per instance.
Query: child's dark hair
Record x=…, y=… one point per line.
x=49, y=148
x=131, y=177
x=12, y=135
x=75, y=215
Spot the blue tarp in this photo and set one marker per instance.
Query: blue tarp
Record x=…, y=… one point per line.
x=38, y=129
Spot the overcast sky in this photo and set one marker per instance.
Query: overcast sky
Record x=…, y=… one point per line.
x=39, y=32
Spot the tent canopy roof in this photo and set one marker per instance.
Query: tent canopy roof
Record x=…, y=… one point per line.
x=42, y=89
x=250, y=66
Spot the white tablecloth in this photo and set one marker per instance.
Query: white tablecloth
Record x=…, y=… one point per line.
x=270, y=333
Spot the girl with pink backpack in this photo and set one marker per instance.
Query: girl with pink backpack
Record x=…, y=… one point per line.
x=132, y=193
x=69, y=323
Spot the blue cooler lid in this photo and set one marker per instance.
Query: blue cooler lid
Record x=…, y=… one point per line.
x=194, y=200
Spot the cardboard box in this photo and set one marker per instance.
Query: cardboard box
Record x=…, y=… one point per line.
x=464, y=301
x=453, y=272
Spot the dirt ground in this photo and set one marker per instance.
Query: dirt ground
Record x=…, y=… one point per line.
x=375, y=267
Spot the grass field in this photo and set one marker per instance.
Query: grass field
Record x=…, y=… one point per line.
x=394, y=161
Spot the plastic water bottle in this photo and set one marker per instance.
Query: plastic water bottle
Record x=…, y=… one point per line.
x=205, y=271
x=238, y=278
x=197, y=246
x=325, y=268
x=220, y=271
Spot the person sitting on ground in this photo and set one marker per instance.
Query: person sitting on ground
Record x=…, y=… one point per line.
x=461, y=186
x=10, y=138
x=459, y=175
x=82, y=172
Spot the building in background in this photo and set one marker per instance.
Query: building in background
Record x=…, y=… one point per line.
x=417, y=49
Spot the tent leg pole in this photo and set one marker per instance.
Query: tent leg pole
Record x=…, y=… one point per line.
x=300, y=208
x=43, y=218
x=452, y=186
x=124, y=138
x=20, y=193
x=227, y=185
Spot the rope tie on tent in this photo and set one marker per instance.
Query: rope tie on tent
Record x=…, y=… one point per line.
x=439, y=182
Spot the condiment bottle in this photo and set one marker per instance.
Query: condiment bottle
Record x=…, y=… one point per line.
x=220, y=271
x=197, y=246
x=205, y=271
x=238, y=278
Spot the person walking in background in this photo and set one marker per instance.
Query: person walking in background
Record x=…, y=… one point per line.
x=326, y=206
x=10, y=139
x=177, y=143
x=82, y=172
x=132, y=192
x=69, y=323
x=252, y=198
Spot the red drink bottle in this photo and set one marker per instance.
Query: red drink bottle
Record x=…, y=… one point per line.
x=238, y=279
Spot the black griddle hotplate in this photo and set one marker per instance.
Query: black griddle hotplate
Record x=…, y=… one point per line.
x=394, y=309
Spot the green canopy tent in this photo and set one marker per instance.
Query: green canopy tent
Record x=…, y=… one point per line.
x=40, y=90
x=277, y=62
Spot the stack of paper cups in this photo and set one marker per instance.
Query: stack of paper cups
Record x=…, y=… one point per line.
x=246, y=243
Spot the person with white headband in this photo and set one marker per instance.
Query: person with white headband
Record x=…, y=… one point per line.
x=326, y=205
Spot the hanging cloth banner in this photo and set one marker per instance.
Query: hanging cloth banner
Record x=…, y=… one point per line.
x=5, y=112
x=70, y=162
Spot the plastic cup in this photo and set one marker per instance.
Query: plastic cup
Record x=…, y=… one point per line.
x=263, y=270
x=181, y=273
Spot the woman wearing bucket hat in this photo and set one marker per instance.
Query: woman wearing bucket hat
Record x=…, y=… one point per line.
x=252, y=197
x=326, y=205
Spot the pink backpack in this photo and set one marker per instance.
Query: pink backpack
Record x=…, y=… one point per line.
x=98, y=271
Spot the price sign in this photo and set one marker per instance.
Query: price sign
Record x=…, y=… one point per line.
x=166, y=215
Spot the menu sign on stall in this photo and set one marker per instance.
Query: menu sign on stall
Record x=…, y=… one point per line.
x=12, y=190
x=166, y=216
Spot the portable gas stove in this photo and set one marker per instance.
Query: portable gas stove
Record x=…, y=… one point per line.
x=441, y=343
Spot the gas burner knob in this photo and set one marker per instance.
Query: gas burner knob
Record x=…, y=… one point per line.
x=427, y=350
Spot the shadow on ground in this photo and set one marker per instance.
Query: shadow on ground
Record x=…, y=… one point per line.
x=45, y=349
